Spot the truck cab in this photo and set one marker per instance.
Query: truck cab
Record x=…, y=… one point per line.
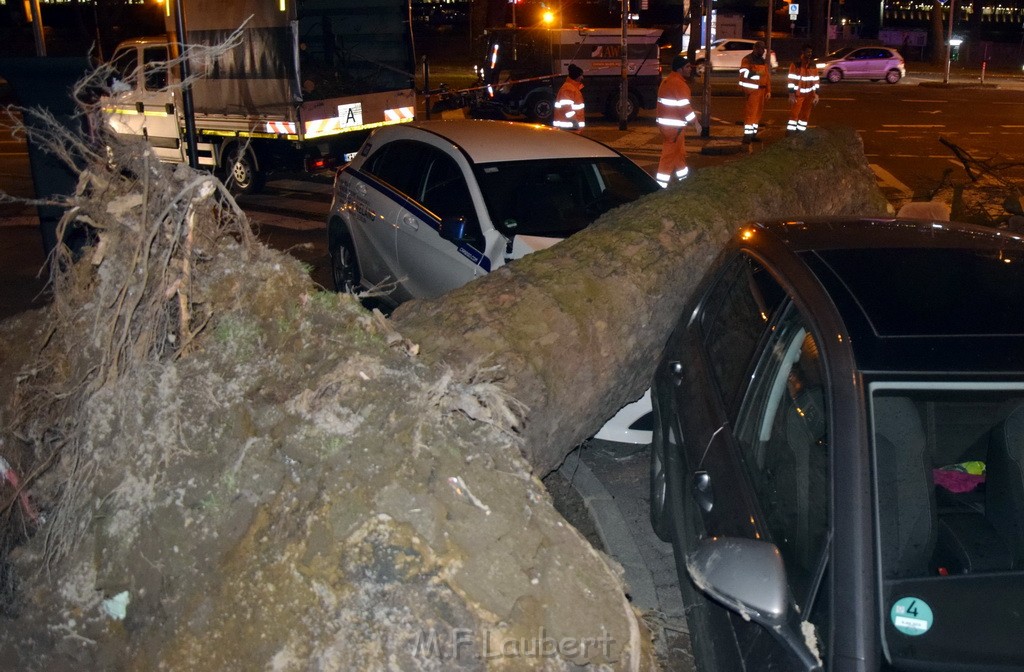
x=524, y=67
x=141, y=102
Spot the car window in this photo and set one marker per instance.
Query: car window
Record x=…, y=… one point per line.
x=124, y=64
x=839, y=53
x=154, y=60
x=949, y=501
x=783, y=431
x=444, y=191
x=734, y=320
x=558, y=197
x=738, y=46
x=399, y=164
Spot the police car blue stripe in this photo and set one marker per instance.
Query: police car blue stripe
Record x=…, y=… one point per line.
x=468, y=251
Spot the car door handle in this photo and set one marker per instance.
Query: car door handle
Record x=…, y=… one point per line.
x=675, y=369
x=411, y=222
x=702, y=492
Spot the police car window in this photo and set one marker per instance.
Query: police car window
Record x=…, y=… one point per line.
x=558, y=197
x=399, y=164
x=444, y=191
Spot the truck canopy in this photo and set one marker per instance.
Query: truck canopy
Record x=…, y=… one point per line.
x=311, y=50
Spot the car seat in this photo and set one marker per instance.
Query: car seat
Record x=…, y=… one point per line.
x=1004, y=487
x=906, y=495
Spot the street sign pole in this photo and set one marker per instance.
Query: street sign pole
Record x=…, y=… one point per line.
x=624, y=69
x=709, y=66
x=949, y=40
x=186, y=89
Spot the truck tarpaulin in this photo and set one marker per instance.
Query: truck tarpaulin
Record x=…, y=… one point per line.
x=259, y=74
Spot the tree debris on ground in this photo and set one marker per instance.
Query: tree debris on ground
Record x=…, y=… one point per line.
x=229, y=469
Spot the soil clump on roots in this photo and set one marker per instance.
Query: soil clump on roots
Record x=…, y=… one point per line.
x=229, y=469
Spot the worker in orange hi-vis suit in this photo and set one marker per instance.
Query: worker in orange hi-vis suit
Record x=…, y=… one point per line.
x=570, y=111
x=803, y=90
x=756, y=82
x=674, y=114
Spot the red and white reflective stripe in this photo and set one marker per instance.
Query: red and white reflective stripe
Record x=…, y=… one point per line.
x=280, y=127
x=399, y=114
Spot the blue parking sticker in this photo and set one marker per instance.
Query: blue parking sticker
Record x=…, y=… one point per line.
x=911, y=616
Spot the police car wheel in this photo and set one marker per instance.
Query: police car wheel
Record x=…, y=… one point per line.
x=344, y=266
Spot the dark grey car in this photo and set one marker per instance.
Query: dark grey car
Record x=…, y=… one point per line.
x=838, y=449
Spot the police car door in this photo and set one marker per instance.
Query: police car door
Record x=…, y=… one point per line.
x=433, y=265
x=375, y=193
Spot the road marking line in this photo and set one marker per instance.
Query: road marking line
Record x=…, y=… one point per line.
x=921, y=100
x=887, y=179
x=913, y=125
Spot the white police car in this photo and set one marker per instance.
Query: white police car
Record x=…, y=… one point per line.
x=427, y=206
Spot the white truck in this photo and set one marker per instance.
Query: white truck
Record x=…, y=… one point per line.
x=524, y=67
x=306, y=84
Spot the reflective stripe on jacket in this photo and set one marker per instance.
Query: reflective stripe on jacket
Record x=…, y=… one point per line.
x=674, y=107
x=754, y=76
x=803, y=79
x=569, y=107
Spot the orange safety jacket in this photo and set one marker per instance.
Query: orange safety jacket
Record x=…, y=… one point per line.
x=569, y=108
x=803, y=78
x=674, y=109
x=754, y=76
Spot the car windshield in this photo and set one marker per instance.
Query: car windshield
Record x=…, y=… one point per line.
x=950, y=521
x=558, y=197
x=839, y=53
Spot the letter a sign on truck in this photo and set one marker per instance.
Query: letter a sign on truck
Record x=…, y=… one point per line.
x=351, y=115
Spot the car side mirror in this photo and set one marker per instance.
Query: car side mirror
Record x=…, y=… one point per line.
x=748, y=576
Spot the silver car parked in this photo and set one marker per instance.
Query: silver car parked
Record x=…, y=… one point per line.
x=874, y=63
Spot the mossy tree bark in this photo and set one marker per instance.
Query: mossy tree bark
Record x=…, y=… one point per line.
x=577, y=329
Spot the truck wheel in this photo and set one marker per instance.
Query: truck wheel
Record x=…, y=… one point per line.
x=241, y=174
x=632, y=107
x=540, y=109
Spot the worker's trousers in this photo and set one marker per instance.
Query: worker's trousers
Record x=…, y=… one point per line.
x=752, y=111
x=800, y=112
x=673, y=155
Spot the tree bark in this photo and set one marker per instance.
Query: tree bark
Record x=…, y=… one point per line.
x=578, y=328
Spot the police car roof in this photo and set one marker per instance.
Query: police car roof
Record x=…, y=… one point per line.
x=491, y=141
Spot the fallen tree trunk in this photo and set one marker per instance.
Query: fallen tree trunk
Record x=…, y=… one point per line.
x=577, y=329
x=237, y=472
